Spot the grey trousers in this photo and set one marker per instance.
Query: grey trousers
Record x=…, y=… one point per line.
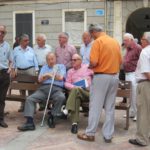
x=31, y=72
x=143, y=113
x=57, y=96
x=102, y=94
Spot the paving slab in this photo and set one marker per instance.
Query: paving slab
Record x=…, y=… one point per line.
x=60, y=138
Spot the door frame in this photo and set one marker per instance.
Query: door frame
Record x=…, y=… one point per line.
x=33, y=23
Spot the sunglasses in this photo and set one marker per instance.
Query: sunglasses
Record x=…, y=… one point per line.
x=74, y=59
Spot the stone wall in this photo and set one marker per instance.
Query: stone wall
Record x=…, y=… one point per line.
x=51, y=12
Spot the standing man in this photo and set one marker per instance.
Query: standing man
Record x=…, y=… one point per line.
x=5, y=69
x=57, y=95
x=130, y=59
x=105, y=60
x=64, y=51
x=143, y=94
x=77, y=94
x=86, y=47
x=41, y=49
x=24, y=60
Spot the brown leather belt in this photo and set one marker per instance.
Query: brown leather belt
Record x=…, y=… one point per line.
x=143, y=80
x=96, y=73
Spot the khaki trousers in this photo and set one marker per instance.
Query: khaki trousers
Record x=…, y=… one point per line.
x=143, y=113
x=76, y=96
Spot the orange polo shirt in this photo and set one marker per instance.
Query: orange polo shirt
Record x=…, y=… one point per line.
x=106, y=54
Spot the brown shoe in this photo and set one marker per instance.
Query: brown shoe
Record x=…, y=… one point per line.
x=83, y=136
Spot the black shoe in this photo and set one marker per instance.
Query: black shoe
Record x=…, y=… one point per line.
x=26, y=127
x=74, y=129
x=61, y=116
x=107, y=140
x=3, y=124
x=21, y=109
x=134, y=142
x=50, y=121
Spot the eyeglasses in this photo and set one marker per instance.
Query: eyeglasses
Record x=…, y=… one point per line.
x=75, y=59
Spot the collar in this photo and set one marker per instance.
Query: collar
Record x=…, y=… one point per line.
x=26, y=49
x=2, y=44
x=64, y=46
x=41, y=47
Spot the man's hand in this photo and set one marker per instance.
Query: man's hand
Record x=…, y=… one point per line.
x=47, y=75
x=12, y=72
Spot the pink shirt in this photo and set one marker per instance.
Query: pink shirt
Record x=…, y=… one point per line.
x=64, y=54
x=79, y=74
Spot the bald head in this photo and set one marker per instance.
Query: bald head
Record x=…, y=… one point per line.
x=76, y=61
x=86, y=37
x=51, y=59
x=2, y=33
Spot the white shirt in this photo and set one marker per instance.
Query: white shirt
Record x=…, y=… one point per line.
x=41, y=53
x=143, y=65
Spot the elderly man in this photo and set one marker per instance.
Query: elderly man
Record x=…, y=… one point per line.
x=143, y=94
x=130, y=59
x=77, y=94
x=105, y=61
x=64, y=51
x=57, y=95
x=5, y=69
x=86, y=47
x=41, y=49
x=24, y=60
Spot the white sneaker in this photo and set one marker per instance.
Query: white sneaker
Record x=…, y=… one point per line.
x=64, y=110
x=135, y=118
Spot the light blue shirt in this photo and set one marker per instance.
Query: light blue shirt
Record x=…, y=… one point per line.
x=85, y=53
x=24, y=58
x=5, y=55
x=41, y=53
x=60, y=71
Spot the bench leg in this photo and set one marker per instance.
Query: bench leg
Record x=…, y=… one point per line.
x=127, y=119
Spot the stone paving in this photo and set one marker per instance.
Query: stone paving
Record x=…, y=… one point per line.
x=60, y=138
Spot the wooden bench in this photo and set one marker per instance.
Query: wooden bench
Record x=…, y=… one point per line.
x=124, y=91
x=21, y=82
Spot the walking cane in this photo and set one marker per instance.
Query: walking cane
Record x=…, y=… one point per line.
x=55, y=69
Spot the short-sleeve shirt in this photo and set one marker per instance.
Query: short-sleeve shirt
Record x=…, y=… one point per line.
x=24, y=58
x=41, y=53
x=106, y=53
x=5, y=55
x=143, y=65
x=61, y=71
x=85, y=53
x=64, y=54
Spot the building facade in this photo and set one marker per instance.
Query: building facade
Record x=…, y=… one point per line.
x=73, y=16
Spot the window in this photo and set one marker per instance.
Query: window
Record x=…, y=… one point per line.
x=24, y=24
x=74, y=23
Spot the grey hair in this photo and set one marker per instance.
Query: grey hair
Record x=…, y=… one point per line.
x=43, y=36
x=24, y=36
x=64, y=34
x=50, y=53
x=95, y=27
x=129, y=36
x=147, y=36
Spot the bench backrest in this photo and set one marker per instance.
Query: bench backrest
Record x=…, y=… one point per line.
x=24, y=82
x=124, y=89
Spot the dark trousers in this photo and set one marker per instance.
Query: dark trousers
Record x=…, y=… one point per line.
x=4, y=84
